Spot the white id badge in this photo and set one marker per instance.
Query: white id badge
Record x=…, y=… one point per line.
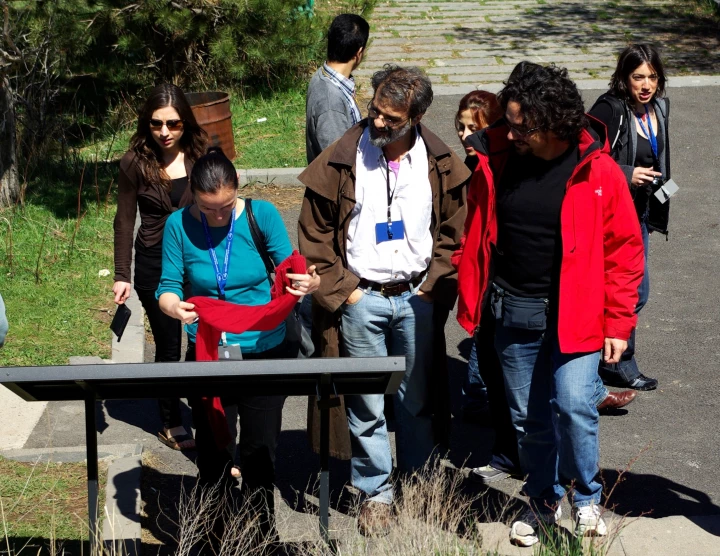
x=666, y=190
x=229, y=352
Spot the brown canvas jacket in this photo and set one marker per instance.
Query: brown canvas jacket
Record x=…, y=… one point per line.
x=322, y=236
x=155, y=206
x=325, y=218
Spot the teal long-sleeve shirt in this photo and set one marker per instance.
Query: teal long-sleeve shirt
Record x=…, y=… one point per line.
x=185, y=253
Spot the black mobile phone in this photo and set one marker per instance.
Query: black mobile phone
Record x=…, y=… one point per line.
x=120, y=320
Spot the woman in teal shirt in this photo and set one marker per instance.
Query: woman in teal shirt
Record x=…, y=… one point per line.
x=191, y=237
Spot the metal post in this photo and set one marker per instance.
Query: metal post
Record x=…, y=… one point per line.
x=92, y=471
x=324, y=405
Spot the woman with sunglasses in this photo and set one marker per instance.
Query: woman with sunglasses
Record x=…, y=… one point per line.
x=154, y=178
x=636, y=114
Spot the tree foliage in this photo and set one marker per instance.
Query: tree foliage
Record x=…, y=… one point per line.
x=86, y=55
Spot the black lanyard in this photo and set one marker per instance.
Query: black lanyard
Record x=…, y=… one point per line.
x=390, y=195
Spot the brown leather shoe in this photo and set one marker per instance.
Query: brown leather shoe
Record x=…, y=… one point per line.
x=616, y=400
x=374, y=519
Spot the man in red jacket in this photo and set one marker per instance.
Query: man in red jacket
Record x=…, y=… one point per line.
x=553, y=244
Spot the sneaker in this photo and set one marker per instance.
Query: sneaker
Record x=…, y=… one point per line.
x=588, y=521
x=487, y=474
x=524, y=532
x=643, y=383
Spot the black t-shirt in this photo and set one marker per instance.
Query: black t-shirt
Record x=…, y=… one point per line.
x=148, y=260
x=644, y=158
x=178, y=188
x=529, y=199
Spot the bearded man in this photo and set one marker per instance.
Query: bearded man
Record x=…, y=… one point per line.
x=383, y=212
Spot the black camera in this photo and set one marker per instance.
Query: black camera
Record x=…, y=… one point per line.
x=657, y=182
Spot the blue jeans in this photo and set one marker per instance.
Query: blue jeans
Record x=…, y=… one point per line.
x=553, y=409
x=475, y=394
x=627, y=369
x=378, y=326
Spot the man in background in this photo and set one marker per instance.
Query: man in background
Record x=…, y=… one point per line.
x=331, y=108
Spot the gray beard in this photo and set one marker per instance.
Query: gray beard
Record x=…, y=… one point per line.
x=381, y=141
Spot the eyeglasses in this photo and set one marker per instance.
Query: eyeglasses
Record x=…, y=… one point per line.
x=172, y=125
x=389, y=121
x=520, y=132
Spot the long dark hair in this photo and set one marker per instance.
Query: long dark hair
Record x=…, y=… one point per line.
x=631, y=59
x=213, y=172
x=192, y=142
x=483, y=106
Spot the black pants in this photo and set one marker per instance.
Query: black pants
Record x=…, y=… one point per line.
x=167, y=333
x=505, y=448
x=260, y=424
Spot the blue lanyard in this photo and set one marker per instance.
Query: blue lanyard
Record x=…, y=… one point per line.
x=651, y=136
x=221, y=277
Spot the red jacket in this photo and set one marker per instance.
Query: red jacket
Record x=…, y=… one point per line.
x=602, y=250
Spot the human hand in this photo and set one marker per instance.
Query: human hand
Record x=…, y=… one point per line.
x=304, y=284
x=613, y=349
x=354, y=297
x=644, y=176
x=121, y=291
x=183, y=311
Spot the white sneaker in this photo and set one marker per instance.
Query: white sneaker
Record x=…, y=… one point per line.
x=524, y=532
x=588, y=521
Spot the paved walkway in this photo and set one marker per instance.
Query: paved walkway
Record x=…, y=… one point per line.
x=467, y=44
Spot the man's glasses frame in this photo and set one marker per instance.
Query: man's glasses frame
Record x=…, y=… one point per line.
x=172, y=125
x=389, y=121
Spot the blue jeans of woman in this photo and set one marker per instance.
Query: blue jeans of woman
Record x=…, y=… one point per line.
x=627, y=369
x=378, y=326
x=552, y=406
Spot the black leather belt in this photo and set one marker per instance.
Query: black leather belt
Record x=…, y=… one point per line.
x=391, y=289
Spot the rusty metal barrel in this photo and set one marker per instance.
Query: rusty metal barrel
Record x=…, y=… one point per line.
x=212, y=112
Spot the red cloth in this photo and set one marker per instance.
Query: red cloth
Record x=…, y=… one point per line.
x=218, y=316
x=602, y=261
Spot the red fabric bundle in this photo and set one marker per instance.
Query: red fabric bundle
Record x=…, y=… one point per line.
x=220, y=316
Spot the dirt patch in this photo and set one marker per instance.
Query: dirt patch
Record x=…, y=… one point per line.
x=282, y=197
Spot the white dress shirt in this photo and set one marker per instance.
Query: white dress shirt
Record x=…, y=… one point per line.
x=397, y=260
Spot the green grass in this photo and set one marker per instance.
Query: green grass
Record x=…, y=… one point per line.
x=44, y=501
x=56, y=303
x=278, y=142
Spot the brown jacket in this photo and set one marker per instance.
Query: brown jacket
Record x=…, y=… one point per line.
x=322, y=236
x=154, y=204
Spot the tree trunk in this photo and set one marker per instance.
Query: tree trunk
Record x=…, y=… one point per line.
x=9, y=182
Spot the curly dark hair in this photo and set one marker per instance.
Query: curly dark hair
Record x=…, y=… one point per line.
x=631, y=59
x=142, y=143
x=403, y=89
x=548, y=99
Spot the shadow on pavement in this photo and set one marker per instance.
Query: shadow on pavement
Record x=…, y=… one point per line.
x=297, y=470
x=687, y=38
x=637, y=494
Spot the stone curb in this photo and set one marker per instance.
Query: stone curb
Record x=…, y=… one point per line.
x=286, y=177
x=122, y=529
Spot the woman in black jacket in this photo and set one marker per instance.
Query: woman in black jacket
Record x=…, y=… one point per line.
x=637, y=115
x=154, y=179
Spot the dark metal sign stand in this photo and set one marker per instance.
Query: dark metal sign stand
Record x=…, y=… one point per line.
x=292, y=377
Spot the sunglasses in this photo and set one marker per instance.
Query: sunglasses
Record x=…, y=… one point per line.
x=172, y=125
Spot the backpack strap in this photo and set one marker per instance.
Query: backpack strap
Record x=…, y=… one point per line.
x=259, y=240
